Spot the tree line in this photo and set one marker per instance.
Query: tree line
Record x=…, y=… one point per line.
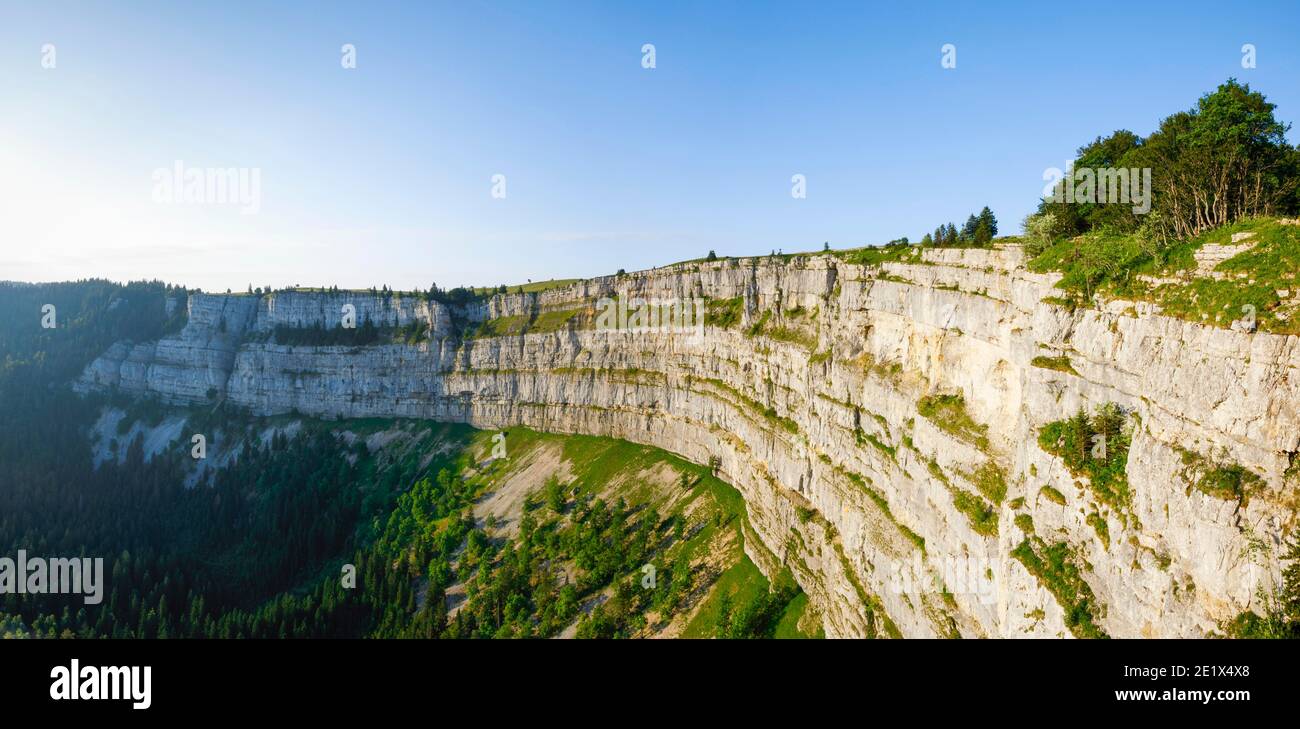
x=1222, y=160
x=979, y=230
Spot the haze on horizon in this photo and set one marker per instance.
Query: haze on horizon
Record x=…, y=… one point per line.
x=383, y=174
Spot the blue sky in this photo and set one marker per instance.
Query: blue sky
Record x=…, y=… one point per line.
x=382, y=174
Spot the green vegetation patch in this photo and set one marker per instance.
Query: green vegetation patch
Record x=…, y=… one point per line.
x=1095, y=446
x=793, y=335
x=990, y=482
x=724, y=313
x=740, y=399
x=1061, y=364
x=949, y=414
x=788, y=626
x=1220, y=479
x=1055, y=568
x=503, y=326
x=1052, y=495
x=1098, y=524
x=552, y=321
x=876, y=255
x=983, y=516
x=1110, y=264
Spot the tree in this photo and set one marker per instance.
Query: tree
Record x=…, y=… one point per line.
x=968, y=230
x=927, y=240
x=988, y=220
x=950, y=236
x=1225, y=159
x=982, y=235
x=1040, y=229
x=711, y=257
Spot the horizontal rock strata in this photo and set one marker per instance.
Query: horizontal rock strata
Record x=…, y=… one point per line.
x=809, y=403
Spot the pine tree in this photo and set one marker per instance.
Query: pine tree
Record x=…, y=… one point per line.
x=986, y=217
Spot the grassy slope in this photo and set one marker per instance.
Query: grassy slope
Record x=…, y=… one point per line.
x=611, y=469
x=1113, y=266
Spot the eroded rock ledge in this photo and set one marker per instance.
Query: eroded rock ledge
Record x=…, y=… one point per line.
x=809, y=403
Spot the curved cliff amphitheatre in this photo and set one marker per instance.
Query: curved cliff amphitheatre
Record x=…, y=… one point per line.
x=933, y=441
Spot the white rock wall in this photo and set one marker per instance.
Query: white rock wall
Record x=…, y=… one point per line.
x=875, y=340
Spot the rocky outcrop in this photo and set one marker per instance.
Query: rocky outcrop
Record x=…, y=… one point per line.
x=812, y=402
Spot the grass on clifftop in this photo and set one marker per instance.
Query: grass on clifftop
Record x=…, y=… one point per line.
x=533, y=287
x=876, y=255
x=1110, y=265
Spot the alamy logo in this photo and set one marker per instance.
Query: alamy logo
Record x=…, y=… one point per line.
x=181, y=185
x=952, y=575
x=103, y=683
x=58, y=576
x=660, y=316
x=1101, y=186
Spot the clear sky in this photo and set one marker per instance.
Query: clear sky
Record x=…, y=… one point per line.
x=382, y=174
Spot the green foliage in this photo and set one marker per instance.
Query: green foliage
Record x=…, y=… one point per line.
x=788, y=626
x=982, y=515
x=979, y=230
x=724, y=313
x=741, y=605
x=1061, y=364
x=1225, y=159
x=1222, y=167
x=874, y=256
x=758, y=327
x=1281, y=608
x=990, y=482
x=864, y=437
x=1040, y=230
x=1099, y=525
x=552, y=321
x=1052, y=495
x=1025, y=523
x=1252, y=279
x=1220, y=479
x=1079, y=440
x=1094, y=261
x=1054, y=566
x=338, y=336
x=948, y=413
x=1109, y=264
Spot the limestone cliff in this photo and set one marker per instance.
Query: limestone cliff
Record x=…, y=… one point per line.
x=896, y=518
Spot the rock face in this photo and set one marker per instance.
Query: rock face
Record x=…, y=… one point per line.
x=809, y=404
